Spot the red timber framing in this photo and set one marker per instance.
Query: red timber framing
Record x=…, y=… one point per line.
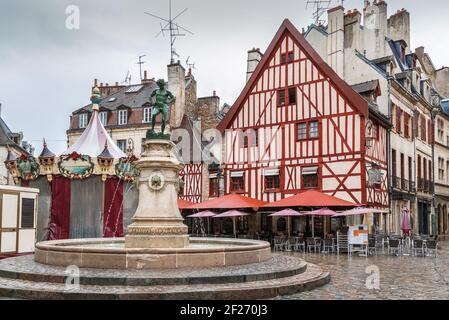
x=335, y=150
x=192, y=175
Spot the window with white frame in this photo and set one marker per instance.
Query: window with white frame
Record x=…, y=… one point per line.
x=104, y=118
x=122, y=145
x=122, y=117
x=83, y=120
x=146, y=115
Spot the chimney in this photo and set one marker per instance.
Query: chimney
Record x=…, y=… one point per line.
x=399, y=27
x=177, y=86
x=254, y=57
x=353, y=30
x=145, y=78
x=375, y=29
x=335, y=41
x=95, y=82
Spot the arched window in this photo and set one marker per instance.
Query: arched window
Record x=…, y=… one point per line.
x=281, y=225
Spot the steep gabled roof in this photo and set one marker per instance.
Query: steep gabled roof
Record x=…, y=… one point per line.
x=356, y=100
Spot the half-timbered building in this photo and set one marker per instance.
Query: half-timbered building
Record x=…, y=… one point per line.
x=297, y=125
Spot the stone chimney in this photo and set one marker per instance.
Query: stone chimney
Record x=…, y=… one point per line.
x=335, y=40
x=353, y=30
x=145, y=79
x=254, y=57
x=375, y=29
x=208, y=110
x=177, y=86
x=399, y=27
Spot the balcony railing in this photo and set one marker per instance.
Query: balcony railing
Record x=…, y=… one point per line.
x=425, y=186
x=403, y=184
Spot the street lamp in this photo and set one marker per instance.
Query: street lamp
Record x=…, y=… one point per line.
x=435, y=101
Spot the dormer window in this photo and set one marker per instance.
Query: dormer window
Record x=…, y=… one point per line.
x=83, y=120
x=122, y=117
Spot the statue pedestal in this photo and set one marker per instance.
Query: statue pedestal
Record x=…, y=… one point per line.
x=157, y=222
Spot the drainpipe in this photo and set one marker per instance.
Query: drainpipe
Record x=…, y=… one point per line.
x=389, y=185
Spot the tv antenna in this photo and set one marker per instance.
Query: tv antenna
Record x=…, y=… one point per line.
x=189, y=64
x=321, y=7
x=140, y=63
x=174, y=29
x=127, y=78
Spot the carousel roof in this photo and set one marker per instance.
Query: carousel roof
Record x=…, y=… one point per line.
x=95, y=137
x=46, y=153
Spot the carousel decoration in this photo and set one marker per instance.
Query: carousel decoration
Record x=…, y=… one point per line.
x=11, y=165
x=105, y=161
x=27, y=167
x=76, y=166
x=94, y=153
x=46, y=161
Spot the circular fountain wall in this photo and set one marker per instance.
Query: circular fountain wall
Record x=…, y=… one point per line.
x=112, y=254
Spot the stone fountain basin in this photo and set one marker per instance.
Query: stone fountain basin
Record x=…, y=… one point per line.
x=112, y=254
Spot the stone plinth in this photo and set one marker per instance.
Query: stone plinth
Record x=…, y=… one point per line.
x=157, y=222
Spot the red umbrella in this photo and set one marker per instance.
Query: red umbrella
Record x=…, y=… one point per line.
x=311, y=198
x=231, y=201
x=183, y=204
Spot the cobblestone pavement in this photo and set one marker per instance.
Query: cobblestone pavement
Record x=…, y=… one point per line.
x=401, y=278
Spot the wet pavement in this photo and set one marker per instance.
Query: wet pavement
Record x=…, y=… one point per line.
x=399, y=278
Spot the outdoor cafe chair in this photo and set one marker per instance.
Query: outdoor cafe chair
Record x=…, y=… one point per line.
x=299, y=245
x=418, y=247
x=328, y=246
x=313, y=244
x=394, y=247
x=278, y=244
x=431, y=248
x=372, y=246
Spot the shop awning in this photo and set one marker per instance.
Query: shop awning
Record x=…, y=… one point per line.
x=311, y=198
x=231, y=201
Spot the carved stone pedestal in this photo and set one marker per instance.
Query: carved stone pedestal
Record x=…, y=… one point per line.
x=157, y=222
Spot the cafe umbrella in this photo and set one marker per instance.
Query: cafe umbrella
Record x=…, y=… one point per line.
x=287, y=213
x=232, y=214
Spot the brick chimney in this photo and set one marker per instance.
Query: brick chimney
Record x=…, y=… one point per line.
x=254, y=57
x=145, y=79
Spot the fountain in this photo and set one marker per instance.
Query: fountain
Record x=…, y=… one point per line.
x=157, y=259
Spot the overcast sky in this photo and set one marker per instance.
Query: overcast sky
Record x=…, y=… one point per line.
x=46, y=70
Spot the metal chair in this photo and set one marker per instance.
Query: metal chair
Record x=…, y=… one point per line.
x=431, y=248
x=313, y=244
x=328, y=246
x=418, y=247
x=300, y=245
x=278, y=244
x=372, y=246
x=394, y=247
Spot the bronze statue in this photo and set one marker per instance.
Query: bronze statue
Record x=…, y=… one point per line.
x=161, y=106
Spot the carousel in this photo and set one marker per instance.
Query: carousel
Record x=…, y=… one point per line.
x=86, y=192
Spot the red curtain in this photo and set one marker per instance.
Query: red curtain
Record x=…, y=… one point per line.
x=113, y=208
x=59, y=226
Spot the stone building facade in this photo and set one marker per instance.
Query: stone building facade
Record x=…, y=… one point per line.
x=379, y=49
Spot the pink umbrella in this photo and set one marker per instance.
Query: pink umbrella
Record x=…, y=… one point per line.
x=358, y=211
x=287, y=213
x=203, y=214
x=324, y=212
x=232, y=214
x=406, y=226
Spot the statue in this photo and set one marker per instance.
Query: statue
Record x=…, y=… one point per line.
x=161, y=106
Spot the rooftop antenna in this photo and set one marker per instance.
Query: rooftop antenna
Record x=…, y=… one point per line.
x=140, y=63
x=127, y=78
x=172, y=28
x=190, y=65
x=321, y=7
